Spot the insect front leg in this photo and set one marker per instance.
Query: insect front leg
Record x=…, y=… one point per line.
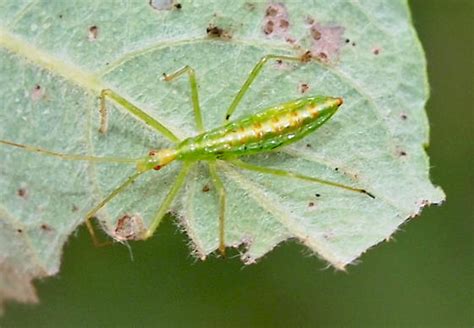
x=216, y=180
x=252, y=76
x=168, y=200
x=194, y=92
x=135, y=111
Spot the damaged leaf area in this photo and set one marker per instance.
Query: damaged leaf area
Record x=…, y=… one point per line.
x=56, y=57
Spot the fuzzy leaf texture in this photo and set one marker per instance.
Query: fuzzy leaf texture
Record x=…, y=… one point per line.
x=56, y=57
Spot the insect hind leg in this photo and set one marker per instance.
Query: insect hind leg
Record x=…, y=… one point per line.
x=288, y=174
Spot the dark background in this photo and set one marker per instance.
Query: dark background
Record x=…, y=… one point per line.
x=425, y=277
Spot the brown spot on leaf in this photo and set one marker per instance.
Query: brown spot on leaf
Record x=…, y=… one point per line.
x=376, y=51
x=22, y=192
x=304, y=87
x=206, y=188
x=165, y=5
x=310, y=204
x=37, y=93
x=322, y=55
x=268, y=27
x=214, y=31
x=315, y=34
x=46, y=227
x=129, y=227
x=326, y=41
x=403, y=116
x=306, y=57
x=276, y=21
x=93, y=33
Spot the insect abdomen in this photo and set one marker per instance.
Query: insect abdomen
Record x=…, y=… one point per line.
x=264, y=131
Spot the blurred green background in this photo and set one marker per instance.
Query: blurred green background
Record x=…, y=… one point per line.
x=424, y=278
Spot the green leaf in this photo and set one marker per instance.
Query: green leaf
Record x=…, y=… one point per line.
x=56, y=57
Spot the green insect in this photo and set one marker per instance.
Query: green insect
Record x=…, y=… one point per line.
x=264, y=131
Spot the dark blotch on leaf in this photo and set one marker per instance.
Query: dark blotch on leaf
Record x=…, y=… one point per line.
x=315, y=33
x=165, y=4
x=206, y=188
x=214, y=31
x=46, y=227
x=326, y=41
x=306, y=57
x=22, y=192
x=129, y=227
x=276, y=21
x=93, y=33
x=37, y=93
x=304, y=87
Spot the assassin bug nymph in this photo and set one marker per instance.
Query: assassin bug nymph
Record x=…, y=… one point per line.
x=264, y=131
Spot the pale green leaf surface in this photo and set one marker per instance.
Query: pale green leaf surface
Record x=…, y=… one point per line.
x=374, y=142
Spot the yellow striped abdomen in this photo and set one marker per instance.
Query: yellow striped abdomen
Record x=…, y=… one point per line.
x=274, y=127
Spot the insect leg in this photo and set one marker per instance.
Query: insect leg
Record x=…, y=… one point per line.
x=222, y=203
x=194, y=92
x=130, y=180
x=288, y=174
x=95, y=239
x=253, y=74
x=135, y=111
x=168, y=200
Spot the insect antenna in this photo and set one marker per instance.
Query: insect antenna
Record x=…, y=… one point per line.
x=68, y=157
